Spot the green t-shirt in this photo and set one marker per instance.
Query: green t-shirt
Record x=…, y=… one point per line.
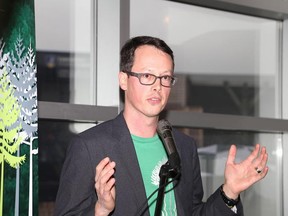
x=151, y=156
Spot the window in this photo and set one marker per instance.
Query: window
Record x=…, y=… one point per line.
x=226, y=64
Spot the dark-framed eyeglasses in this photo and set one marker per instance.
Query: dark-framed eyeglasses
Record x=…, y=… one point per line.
x=150, y=79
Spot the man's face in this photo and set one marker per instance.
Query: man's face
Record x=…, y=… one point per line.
x=142, y=100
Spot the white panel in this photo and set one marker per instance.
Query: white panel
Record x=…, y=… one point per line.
x=82, y=76
x=285, y=114
x=52, y=30
x=108, y=35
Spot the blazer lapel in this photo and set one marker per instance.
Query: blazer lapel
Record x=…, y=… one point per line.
x=129, y=162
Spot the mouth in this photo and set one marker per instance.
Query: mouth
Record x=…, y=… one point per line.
x=154, y=100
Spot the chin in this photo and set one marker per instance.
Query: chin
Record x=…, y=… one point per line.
x=153, y=114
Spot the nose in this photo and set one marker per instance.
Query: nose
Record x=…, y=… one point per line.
x=157, y=85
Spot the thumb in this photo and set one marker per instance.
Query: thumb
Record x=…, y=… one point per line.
x=231, y=154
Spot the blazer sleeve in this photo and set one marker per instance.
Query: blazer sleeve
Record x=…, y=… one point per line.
x=189, y=194
x=214, y=205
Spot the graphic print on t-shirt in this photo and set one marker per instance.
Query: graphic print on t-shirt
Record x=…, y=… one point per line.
x=169, y=207
x=151, y=156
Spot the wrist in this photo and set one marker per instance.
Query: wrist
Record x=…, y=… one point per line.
x=99, y=211
x=228, y=192
x=230, y=202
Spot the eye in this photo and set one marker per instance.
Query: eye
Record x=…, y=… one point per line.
x=147, y=76
x=167, y=78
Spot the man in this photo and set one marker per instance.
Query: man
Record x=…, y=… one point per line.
x=110, y=169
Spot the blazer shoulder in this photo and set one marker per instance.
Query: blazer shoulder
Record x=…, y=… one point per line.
x=106, y=130
x=182, y=137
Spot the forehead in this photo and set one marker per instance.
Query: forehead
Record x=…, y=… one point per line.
x=149, y=50
x=147, y=56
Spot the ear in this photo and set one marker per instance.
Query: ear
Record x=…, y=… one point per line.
x=122, y=80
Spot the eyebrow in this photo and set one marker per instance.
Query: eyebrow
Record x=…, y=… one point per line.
x=171, y=72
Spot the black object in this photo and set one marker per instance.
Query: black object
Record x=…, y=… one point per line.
x=164, y=130
x=172, y=168
x=228, y=201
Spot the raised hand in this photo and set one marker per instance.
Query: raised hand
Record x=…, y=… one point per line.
x=105, y=187
x=240, y=176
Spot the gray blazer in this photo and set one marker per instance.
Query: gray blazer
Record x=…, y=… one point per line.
x=76, y=193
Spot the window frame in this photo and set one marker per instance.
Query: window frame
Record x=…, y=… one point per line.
x=94, y=113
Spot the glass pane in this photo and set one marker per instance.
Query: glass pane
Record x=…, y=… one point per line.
x=64, y=44
x=213, y=146
x=54, y=138
x=226, y=63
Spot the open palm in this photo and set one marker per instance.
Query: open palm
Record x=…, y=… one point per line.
x=240, y=176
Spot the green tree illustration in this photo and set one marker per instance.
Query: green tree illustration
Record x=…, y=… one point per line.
x=22, y=73
x=21, y=22
x=9, y=129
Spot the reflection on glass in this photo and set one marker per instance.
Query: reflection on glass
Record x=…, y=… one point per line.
x=229, y=62
x=63, y=77
x=64, y=51
x=263, y=198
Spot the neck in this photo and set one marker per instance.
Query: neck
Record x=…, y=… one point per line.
x=141, y=126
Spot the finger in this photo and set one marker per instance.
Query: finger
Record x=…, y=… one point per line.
x=101, y=166
x=105, y=183
x=261, y=160
x=258, y=159
x=264, y=172
x=264, y=158
x=254, y=155
x=105, y=174
x=108, y=194
x=231, y=154
x=110, y=184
